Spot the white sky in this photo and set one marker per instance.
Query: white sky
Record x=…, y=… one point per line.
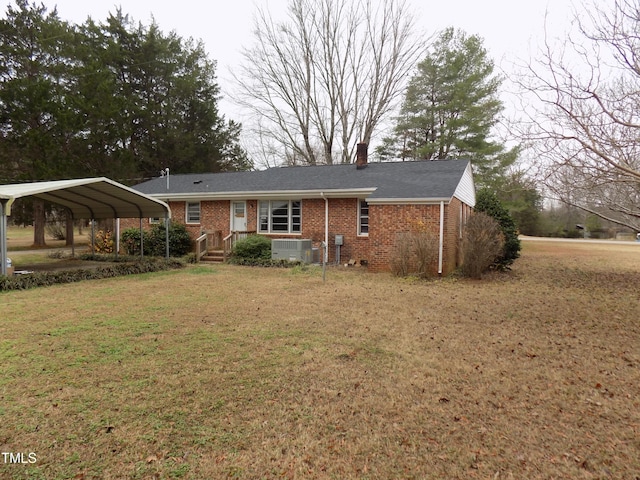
x=508, y=27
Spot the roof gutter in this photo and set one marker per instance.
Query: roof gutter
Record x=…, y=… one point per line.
x=266, y=194
x=409, y=201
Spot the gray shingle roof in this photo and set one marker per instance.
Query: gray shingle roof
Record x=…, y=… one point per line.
x=407, y=180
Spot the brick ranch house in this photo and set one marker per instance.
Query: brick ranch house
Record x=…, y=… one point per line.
x=369, y=204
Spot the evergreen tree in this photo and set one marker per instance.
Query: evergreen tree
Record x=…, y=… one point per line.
x=523, y=201
x=34, y=116
x=450, y=108
x=164, y=107
x=115, y=99
x=118, y=99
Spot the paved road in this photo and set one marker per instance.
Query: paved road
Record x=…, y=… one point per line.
x=577, y=240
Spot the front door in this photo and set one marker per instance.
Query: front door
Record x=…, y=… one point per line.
x=238, y=216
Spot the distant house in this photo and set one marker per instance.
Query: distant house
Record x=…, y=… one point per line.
x=368, y=204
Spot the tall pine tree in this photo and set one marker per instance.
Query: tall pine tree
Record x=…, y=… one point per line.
x=34, y=115
x=450, y=108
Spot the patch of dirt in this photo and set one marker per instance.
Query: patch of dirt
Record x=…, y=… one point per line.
x=62, y=265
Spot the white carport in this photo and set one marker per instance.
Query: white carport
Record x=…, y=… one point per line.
x=90, y=198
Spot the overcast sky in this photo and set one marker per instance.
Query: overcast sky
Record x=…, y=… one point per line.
x=509, y=27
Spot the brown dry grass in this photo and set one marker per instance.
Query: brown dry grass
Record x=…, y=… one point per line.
x=233, y=372
x=21, y=238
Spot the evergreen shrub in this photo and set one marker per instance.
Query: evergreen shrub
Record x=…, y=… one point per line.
x=155, y=240
x=253, y=247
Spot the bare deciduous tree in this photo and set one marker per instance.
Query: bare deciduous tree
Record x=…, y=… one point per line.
x=323, y=80
x=585, y=131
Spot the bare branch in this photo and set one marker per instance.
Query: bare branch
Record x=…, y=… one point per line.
x=324, y=79
x=585, y=127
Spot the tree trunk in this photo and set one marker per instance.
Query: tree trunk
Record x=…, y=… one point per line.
x=38, y=223
x=69, y=234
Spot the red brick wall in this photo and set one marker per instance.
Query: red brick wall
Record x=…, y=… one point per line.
x=385, y=222
x=343, y=220
x=214, y=215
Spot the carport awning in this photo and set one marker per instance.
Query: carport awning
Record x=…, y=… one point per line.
x=90, y=198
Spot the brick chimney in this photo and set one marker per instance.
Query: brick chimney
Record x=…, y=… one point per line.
x=361, y=156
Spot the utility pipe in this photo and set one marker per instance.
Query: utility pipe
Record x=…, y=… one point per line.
x=441, y=240
x=325, y=244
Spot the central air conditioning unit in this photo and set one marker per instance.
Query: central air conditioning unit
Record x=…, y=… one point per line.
x=291, y=249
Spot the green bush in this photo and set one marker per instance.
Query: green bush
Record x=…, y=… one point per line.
x=487, y=202
x=179, y=240
x=265, y=262
x=155, y=240
x=130, y=239
x=253, y=247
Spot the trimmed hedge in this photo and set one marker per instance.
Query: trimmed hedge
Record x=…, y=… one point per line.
x=264, y=262
x=45, y=279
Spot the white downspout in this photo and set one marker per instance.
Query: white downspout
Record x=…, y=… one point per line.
x=441, y=241
x=326, y=218
x=326, y=227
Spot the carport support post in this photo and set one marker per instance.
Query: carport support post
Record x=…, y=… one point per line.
x=141, y=240
x=117, y=237
x=3, y=235
x=166, y=231
x=73, y=238
x=93, y=236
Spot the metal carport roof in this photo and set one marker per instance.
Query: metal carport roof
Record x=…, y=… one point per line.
x=90, y=198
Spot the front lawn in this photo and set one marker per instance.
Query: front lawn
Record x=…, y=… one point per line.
x=235, y=372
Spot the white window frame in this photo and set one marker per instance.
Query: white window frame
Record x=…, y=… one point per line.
x=290, y=217
x=361, y=217
x=154, y=220
x=187, y=218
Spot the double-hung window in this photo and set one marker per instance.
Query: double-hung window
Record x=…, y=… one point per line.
x=363, y=217
x=280, y=216
x=193, y=212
